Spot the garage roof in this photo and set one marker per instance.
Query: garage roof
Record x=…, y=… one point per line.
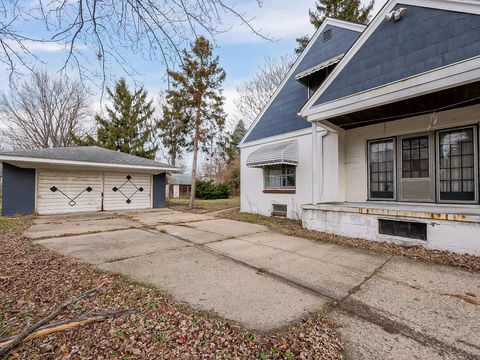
x=85, y=155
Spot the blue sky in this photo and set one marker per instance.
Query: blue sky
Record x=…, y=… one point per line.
x=241, y=52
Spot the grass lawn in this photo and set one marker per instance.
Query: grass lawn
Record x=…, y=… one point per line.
x=204, y=206
x=294, y=228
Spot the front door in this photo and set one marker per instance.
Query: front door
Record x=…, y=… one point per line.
x=416, y=171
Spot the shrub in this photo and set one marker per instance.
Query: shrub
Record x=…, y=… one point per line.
x=206, y=189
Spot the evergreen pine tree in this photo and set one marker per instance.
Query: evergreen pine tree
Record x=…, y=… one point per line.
x=197, y=86
x=236, y=136
x=127, y=124
x=173, y=127
x=348, y=10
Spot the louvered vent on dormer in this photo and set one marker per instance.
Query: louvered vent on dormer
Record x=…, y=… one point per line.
x=327, y=35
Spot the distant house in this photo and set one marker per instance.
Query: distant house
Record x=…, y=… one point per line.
x=78, y=179
x=179, y=186
x=375, y=131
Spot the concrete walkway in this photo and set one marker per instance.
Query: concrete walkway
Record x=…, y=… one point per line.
x=385, y=308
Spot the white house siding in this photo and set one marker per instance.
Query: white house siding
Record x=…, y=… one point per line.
x=66, y=192
x=356, y=141
x=128, y=195
x=252, y=197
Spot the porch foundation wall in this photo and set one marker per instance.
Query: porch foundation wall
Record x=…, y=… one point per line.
x=455, y=236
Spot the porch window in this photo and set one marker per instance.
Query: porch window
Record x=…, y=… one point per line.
x=415, y=158
x=280, y=177
x=457, y=165
x=381, y=169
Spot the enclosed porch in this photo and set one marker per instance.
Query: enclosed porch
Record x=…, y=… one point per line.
x=409, y=176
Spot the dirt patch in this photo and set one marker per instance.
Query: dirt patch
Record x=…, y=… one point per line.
x=35, y=280
x=294, y=228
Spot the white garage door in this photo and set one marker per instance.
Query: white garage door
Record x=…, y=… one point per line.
x=126, y=191
x=66, y=192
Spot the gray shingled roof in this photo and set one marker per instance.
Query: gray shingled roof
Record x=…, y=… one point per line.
x=180, y=179
x=87, y=154
x=282, y=115
x=423, y=40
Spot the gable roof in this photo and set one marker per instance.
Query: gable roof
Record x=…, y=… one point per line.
x=84, y=155
x=180, y=179
x=280, y=114
x=433, y=34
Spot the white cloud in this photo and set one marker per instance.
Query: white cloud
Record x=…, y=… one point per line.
x=278, y=19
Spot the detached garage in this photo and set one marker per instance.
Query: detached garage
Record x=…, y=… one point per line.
x=80, y=179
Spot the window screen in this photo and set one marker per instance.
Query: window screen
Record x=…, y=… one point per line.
x=415, y=158
x=457, y=165
x=381, y=169
x=280, y=176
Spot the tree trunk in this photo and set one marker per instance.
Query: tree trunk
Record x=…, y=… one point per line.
x=195, y=156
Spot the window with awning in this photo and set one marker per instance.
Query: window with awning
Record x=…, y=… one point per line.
x=285, y=153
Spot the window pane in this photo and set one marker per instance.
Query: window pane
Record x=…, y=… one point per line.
x=280, y=176
x=381, y=168
x=456, y=151
x=415, y=160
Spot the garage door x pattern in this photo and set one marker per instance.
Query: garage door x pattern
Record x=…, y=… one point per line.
x=128, y=181
x=72, y=201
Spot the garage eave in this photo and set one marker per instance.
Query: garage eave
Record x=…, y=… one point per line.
x=25, y=162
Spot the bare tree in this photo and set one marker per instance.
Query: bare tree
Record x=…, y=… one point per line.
x=254, y=93
x=44, y=112
x=100, y=31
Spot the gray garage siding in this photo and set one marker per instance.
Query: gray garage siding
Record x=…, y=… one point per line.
x=425, y=39
x=281, y=117
x=18, y=196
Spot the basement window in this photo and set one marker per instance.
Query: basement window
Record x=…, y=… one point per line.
x=279, y=210
x=405, y=229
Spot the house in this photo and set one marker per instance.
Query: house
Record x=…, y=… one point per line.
x=179, y=186
x=392, y=153
x=78, y=179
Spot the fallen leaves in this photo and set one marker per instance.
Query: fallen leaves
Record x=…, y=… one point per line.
x=35, y=280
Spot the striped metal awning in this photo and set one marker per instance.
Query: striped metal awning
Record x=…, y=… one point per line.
x=318, y=67
x=282, y=153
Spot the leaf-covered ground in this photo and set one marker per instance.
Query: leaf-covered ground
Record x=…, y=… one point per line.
x=294, y=228
x=34, y=280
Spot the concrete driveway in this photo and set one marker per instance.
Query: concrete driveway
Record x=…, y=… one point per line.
x=385, y=307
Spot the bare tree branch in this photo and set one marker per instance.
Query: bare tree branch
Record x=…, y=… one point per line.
x=254, y=93
x=91, y=31
x=44, y=112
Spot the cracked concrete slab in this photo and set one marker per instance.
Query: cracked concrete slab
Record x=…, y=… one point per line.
x=112, y=246
x=229, y=228
x=74, y=227
x=172, y=217
x=212, y=283
x=439, y=302
x=305, y=266
x=190, y=234
x=61, y=218
x=366, y=341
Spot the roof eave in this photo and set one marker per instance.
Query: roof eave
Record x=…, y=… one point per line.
x=33, y=161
